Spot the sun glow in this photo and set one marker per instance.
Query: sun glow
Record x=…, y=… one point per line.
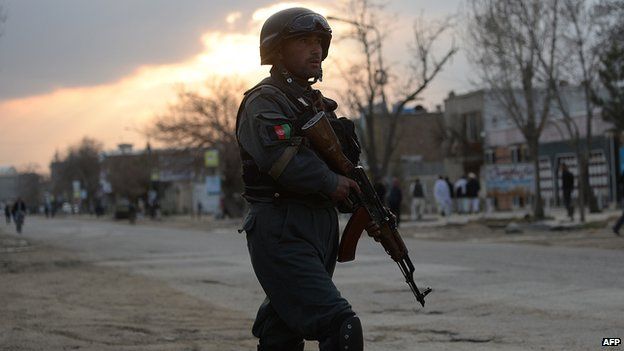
x=107, y=112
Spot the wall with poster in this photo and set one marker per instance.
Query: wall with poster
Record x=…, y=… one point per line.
x=503, y=178
x=208, y=194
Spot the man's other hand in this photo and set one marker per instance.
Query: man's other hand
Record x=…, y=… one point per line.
x=344, y=188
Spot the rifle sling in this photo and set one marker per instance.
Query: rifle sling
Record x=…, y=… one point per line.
x=281, y=163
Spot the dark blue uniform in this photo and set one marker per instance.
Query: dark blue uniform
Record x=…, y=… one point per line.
x=292, y=226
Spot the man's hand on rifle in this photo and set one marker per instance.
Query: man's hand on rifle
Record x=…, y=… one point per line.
x=344, y=188
x=373, y=229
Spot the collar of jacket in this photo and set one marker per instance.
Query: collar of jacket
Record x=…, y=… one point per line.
x=296, y=86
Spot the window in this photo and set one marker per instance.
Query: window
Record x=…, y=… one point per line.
x=473, y=128
x=517, y=156
x=490, y=157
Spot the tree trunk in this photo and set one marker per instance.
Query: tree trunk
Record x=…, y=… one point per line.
x=592, y=201
x=582, y=174
x=538, y=206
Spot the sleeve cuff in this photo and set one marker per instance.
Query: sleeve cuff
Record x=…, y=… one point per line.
x=330, y=182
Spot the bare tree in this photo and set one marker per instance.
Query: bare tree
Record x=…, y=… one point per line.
x=129, y=175
x=579, y=37
x=3, y=17
x=81, y=163
x=29, y=185
x=207, y=120
x=508, y=40
x=375, y=90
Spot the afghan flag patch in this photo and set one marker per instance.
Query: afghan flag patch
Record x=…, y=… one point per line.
x=280, y=132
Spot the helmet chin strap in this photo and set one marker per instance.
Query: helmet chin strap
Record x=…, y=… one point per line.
x=317, y=78
x=289, y=76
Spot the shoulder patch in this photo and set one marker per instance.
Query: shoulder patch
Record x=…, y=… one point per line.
x=279, y=132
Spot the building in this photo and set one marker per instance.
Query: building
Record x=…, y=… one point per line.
x=418, y=150
x=509, y=172
x=463, y=120
x=177, y=180
x=8, y=184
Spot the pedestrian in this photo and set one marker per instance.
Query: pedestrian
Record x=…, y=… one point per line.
x=442, y=194
x=620, y=221
x=7, y=213
x=292, y=223
x=567, y=185
x=418, y=200
x=132, y=212
x=618, y=224
x=18, y=211
x=472, y=193
x=380, y=189
x=395, y=199
x=460, y=195
x=200, y=209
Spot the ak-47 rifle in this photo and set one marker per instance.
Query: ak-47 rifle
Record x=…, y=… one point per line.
x=367, y=205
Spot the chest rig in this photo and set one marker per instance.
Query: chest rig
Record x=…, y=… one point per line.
x=262, y=186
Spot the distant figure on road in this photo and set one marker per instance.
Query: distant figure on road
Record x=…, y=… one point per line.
x=19, y=213
x=442, y=194
x=7, y=213
x=472, y=192
x=620, y=221
x=450, y=187
x=567, y=185
x=618, y=224
x=380, y=189
x=395, y=199
x=200, y=209
x=463, y=205
x=418, y=200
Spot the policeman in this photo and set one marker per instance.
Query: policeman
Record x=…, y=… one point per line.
x=292, y=224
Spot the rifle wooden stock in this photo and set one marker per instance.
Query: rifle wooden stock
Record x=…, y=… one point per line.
x=352, y=233
x=322, y=136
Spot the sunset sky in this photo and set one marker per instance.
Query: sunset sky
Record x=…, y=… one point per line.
x=105, y=68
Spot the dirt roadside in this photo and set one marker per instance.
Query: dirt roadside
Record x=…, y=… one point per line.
x=594, y=235
x=50, y=300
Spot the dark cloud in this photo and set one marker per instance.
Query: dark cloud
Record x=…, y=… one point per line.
x=64, y=43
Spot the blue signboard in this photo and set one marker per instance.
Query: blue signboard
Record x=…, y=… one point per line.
x=509, y=177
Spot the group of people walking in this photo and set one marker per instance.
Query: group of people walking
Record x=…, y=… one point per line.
x=461, y=197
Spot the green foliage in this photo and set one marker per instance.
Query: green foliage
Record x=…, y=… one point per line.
x=611, y=75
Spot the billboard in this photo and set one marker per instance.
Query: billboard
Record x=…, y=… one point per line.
x=509, y=177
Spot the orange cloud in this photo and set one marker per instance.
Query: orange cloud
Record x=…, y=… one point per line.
x=34, y=127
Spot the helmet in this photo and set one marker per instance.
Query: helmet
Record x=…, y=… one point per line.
x=290, y=23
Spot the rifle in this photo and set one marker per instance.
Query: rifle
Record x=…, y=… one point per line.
x=368, y=206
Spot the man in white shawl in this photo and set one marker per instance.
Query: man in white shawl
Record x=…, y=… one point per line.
x=442, y=196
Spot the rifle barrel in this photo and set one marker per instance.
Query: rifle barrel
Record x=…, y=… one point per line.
x=407, y=268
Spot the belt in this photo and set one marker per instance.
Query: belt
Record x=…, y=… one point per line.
x=281, y=195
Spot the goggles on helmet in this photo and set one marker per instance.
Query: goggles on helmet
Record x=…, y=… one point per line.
x=308, y=23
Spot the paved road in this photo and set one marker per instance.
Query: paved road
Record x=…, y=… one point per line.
x=486, y=296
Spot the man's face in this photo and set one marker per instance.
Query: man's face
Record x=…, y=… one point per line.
x=302, y=55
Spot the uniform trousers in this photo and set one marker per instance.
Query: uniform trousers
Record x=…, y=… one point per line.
x=293, y=249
